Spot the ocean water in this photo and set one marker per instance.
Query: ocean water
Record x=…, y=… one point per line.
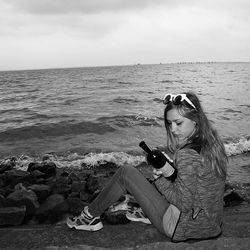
x=100, y=114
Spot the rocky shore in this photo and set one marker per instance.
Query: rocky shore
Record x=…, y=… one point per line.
x=35, y=202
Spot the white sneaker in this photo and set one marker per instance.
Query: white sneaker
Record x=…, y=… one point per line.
x=85, y=221
x=136, y=214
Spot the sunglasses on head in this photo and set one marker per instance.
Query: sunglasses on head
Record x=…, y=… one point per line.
x=177, y=99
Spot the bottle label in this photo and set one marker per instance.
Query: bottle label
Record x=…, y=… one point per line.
x=167, y=170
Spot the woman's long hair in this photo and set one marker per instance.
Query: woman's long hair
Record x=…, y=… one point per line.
x=211, y=147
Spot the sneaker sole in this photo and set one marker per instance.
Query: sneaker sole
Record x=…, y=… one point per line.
x=146, y=221
x=87, y=228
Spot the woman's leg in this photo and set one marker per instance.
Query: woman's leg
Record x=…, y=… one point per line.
x=130, y=179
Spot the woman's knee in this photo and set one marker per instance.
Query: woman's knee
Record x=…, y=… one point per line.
x=128, y=170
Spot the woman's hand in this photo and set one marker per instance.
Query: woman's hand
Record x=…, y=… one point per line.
x=156, y=173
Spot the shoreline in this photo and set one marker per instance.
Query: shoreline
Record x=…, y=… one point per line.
x=134, y=235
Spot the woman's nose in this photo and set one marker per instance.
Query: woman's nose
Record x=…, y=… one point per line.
x=173, y=127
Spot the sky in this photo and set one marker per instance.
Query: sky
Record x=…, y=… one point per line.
x=37, y=34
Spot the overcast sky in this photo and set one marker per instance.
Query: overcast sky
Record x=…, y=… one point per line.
x=75, y=33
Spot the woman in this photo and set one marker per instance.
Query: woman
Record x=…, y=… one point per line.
x=191, y=206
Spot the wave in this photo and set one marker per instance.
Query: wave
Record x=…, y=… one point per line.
x=78, y=161
x=20, y=115
x=158, y=100
x=96, y=159
x=125, y=100
x=232, y=111
x=54, y=130
x=122, y=158
x=56, y=127
x=124, y=83
x=239, y=147
x=130, y=120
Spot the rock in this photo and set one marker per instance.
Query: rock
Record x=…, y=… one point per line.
x=73, y=177
x=42, y=191
x=107, y=166
x=12, y=216
x=76, y=205
x=116, y=213
x=58, y=212
x=48, y=168
x=7, y=164
x=232, y=199
x=81, y=175
x=20, y=186
x=5, y=191
x=37, y=173
x=84, y=196
x=2, y=201
x=74, y=195
x=24, y=198
x=15, y=176
x=92, y=183
x=1, y=181
x=62, y=172
x=41, y=180
x=117, y=217
x=85, y=173
x=48, y=157
x=60, y=186
x=78, y=186
x=47, y=207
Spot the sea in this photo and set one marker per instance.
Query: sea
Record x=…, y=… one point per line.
x=95, y=115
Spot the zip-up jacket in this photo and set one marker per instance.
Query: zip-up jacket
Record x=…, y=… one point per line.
x=198, y=194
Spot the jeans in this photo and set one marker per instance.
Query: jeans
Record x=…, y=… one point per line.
x=153, y=204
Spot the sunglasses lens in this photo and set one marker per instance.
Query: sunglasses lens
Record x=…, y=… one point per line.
x=177, y=100
x=167, y=99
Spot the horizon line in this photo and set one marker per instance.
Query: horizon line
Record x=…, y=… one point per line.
x=126, y=65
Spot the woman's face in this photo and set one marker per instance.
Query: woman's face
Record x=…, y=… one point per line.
x=181, y=127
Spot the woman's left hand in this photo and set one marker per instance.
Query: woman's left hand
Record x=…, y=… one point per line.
x=156, y=173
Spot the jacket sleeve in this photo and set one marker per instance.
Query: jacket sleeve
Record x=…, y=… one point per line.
x=181, y=192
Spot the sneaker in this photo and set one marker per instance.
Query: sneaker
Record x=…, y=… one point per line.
x=85, y=221
x=136, y=214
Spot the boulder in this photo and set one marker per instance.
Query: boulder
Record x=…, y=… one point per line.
x=74, y=195
x=232, y=199
x=7, y=164
x=85, y=196
x=48, y=168
x=92, y=184
x=76, y=205
x=60, y=186
x=37, y=173
x=80, y=175
x=5, y=191
x=58, y=212
x=42, y=191
x=47, y=207
x=78, y=186
x=24, y=198
x=73, y=177
x=12, y=216
x=16, y=176
x=2, y=201
x=116, y=217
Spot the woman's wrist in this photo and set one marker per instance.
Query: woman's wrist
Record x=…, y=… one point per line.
x=156, y=177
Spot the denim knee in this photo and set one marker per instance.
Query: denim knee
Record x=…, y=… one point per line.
x=126, y=172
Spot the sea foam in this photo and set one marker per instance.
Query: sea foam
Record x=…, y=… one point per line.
x=239, y=147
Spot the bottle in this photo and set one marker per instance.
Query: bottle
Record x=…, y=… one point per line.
x=159, y=161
